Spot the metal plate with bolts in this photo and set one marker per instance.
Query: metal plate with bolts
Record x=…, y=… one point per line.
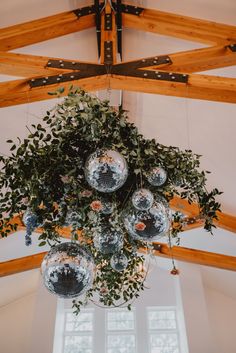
x=232, y=47
x=108, y=53
x=108, y=22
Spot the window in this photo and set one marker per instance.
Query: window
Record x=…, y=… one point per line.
x=144, y=329
x=78, y=332
x=163, y=330
x=121, y=335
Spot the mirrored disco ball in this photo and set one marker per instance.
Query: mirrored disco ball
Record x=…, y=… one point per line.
x=106, y=170
x=30, y=220
x=119, y=262
x=157, y=176
x=68, y=270
x=108, y=240
x=142, y=199
x=107, y=206
x=73, y=218
x=148, y=225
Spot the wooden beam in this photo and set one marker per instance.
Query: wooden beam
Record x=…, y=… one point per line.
x=21, y=264
x=181, y=27
x=108, y=35
x=199, y=60
x=43, y=29
x=19, y=92
x=25, y=65
x=198, y=257
x=205, y=87
x=225, y=221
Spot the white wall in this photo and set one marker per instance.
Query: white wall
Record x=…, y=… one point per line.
x=16, y=321
x=222, y=318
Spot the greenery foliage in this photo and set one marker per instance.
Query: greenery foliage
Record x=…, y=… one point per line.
x=45, y=173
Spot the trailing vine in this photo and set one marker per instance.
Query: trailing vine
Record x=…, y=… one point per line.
x=45, y=173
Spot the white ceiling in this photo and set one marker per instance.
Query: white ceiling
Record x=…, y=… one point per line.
x=208, y=128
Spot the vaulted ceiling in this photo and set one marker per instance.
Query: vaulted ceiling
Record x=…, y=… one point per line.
x=197, y=113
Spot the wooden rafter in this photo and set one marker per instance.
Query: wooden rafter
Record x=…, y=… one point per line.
x=205, y=87
x=181, y=27
x=19, y=92
x=200, y=60
x=180, y=253
x=36, y=31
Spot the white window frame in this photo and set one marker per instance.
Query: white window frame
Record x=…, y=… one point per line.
x=161, y=331
x=79, y=333
x=120, y=332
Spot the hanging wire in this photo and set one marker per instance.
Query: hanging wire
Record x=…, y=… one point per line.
x=187, y=116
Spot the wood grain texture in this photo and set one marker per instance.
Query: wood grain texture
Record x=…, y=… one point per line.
x=19, y=92
x=180, y=26
x=205, y=87
x=194, y=256
x=37, y=31
x=199, y=60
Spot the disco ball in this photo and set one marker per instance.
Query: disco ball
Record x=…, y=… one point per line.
x=73, y=218
x=68, y=270
x=107, y=206
x=157, y=176
x=119, y=262
x=106, y=170
x=30, y=220
x=142, y=199
x=108, y=240
x=147, y=225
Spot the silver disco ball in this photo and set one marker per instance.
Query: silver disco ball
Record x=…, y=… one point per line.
x=68, y=270
x=157, y=176
x=148, y=225
x=119, y=262
x=106, y=170
x=107, y=206
x=73, y=218
x=142, y=199
x=108, y=240
x=30, y=220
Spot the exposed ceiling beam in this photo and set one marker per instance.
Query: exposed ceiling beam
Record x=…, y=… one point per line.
x=19, y=92
x=179, y=253
x=225, y=221
x=205, y=87
x=196, y=256
x=36, y=31
x=108, y=36
x=25, y=65
x=199, y=60
x=21, y=264
x=181, y=27
x=212, y=88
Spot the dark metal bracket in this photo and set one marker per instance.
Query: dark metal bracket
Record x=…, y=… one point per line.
x=108, y=53
x=137, y=69
x=130, y=9
x=84, y=11
x=86, y=70
x=232, y=47
x=108, y=22
x=79, y=71
x=157, y=247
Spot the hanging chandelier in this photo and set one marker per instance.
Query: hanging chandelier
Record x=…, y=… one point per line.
x=87, y=168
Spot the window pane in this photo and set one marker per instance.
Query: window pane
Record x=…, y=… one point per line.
x=82, y=322
x=121, y=344
x=120, y=320
x=164, y=343
x=161, y=319
x=78, y=344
